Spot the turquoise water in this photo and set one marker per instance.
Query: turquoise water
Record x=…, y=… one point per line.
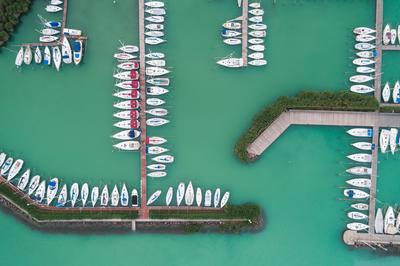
x=60, y=124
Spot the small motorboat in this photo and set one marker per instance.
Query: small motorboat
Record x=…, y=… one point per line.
x=231, y=62
x=367, y=54
x=256, y=41
x=47, y=38
x=155, y=26
x=359, y=182
x=231, y=25
x=6, y=166
x=256, y=12
x=114, y=196
x=396, y=92
x=135, y=198
x=156, y=11
x=130, y=65
x=20, y=57
x=363, y=30
x=363, y=61
x=207, y=198
x=131, y=104
x=199, y=197
x=355, y=194
x=53, y=9
x=155, y=91
x=357, y=215
x=129, y=114
x=362, y=145
x=38, y=55
x=72, y=32
x=258, y=26
x=94, y=196
x=394, y=139
x=154, y=101
x=189, y=195
x=156, y=122
x=365, y=38
x=129, y=85
x=156, y=71
x=168, y=197
x=52, y=189
x=62, y=197
x=124, y=56
x=84, y=193
x=365, y=70
x=157, y=174
x=154, y=40
x=257, y=47
x=360, y=132
x=39, y=194
x=129, y=134
x=386, y=35
x=74, y=193
x=104, y=196
x=379, y=221
x=256, y=56
x=256, y=19
x=158, y=81
x=360, y=206
x=15, y=169
x=154, y=55
x=155, y=150
x=258, y=33
x=155, y=19
x=386, y=92
x=66, y=51
x=232, y=41
x=230, y=33
x=129, y=145
x=217, y=195
x=359, y=170
x=163, y=159
x=53, y=24
x=154, y=4
x=258, y=62
x=156, y=167
x=180, y=193
x=157, y=111
x=156, y=62
x=47, y=56
x=24, y=179
x=77, y=47
x=127, y=75
x=363, y=46
x=357, y=226
x=127, y=94
x=389, y=221
x=360, y=78
x=28, y=55
x=384, y=140
x=33, y=184
x=129, y=49
x=154, y=33
x=56, y=57
x=361, y=89
x=155, y=140
x=393, y=36
x=124, y=196
x=360, y=157
x=153, y=197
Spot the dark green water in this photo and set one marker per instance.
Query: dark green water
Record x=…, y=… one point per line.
x=60, y=124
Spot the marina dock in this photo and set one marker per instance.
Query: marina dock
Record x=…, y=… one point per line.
x=378, y=44
x=245, y=15
x=374, y=173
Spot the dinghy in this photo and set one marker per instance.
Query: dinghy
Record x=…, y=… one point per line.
x=360, y=157
x=156, y=71
x=225, y=199
x=155, y=19
x=189, y=195
x=163, y=159
x=53, y=9
x=154, y=55
x=256, y=12
x=256, y=56
x=359, y=170
x=257, y=47
x=365, y=38
x=386, y=36
x=363, y=46
x=256, y=19
x=360, y=78
x=362, y=145
x=360, y=132
x=155, y=91
x=24, y=179
x=360, y=206
x=156, y=11
x=157, y=174
x=2, y=158
x=39, y=194
x=155, y=140
x=154, y=4
x=128, y=145
x=157, y=111
x=156, y=62
x=154, y=40
x=367, y=54
x=127, y=75
x=124, y=196
x=363, y=30
x=15, y=169
x=94, y=196
x=124, y=56
x=396, y=92
x=355, y=194
x=72, y=32
x=131, y=104
x=62, y=198
x=363, y=61
x=154, y=101
x=77, y=46
x=47, y=56
x=66, y=51
x=158, y=81
x=389, y=221
x=154, y=33
x=394, y=139
x=130, y=65
x=361, y=89
x=104, y=196
x=379, y=221
x=357, y=215
x=153, y=197
x=28, y=55
x=129, y=49
x=155, y=150
x=230, y=33
x=231, y=25
x=33, y=184
x=258, y=33
x=127, y=134
x=155, y=27
x=53, y=24
x=365, y=70
x=180, y=192
x=231, y=62
x=207, y=198
x=84, y=193
x=47, y=38
x=357, y=226
x=129, y=85
x=52, y=189
x=56, y=57
x=129, y=114
x=156, y=167
x=156, y=122
x=393, y=36
x=359, y=182
x=127, y=94
x=256, y=41
x=199, y=197
x=168, y=198
x=384, y=140
x=135, y=198
x=38, y=55
x=386, y=92
x=20, y=57
x=6, y=166
x=258, y=62
x=114, y=196
x=74, y=193
x=217, y=195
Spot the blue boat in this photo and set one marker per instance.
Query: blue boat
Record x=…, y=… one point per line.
x=53, y=24
x=77, y=47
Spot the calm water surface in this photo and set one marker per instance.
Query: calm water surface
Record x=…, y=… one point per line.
x=60, y=124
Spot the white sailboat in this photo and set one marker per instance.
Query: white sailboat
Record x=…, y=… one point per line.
x=156, y=11
x=3, y=157
x=256, y=12
x=360, y=132
x=56, y=57
x=363, y=61
x=33, y=184
x=225, y=199
x=164, y=159
x=207, y=198
x=47, y=56
x=386, y=36
x=256, y=19
x=62, y=197
x=384, y=140
x=38, y=55
x=154, y=90
x=360, y=206
x=66, y=51
x=154, y=4
x=53, y=9
x=156, y=140
x=94, y=196
x=362, y=145
x=156, y=150
x=129, y=48
x=84, y=194
x=360, y=157
x=189, y=195
x=48, y=38
x=155, y=55
x=394, y=139
x=199, y=196
x=127, y=105
x=28, y=55
x=129, y=145
x=389, y=221
x=155, y=19
x=232, y=41
x=20, y=57
x=256, y=41
x=74, y=193
x=363, y=30
x=157, y=167
x=359, y=88
x=156, y=122
x=393, y=36
x=357, y=226
x=379, y=221
x=359, y=170
x=257, y=47
x=127, y=94
x=157, y=111
x=256, y=56
x=124, y=56
x=360, y=78
x=365, y=38
x=52, y=189
x=365, y=70
x=217, y=196
x=129, y=114
x=24, y=179
x=156, y=71
x=15, y=169
x=359, y=182
x=135, y=198
x=258, y=26
x=128, y=134
x=104, y=196
x=129, y=65
x=155, y=26
x=157, y=174
x=355, y=194
x=156, y=62
x=180, y=193
x=6, y=166
x=231, y=62
x=153, y=197
x=114, y=196
x=39, y=194
x=386, y=92
x=258, y=33
x=154, y=40
x=128, y=124
x=396, y=92
x=154, y=33
x=49, y=31
x=357, y=215
x=364, y=46
x=154, y=101
x=168, y=198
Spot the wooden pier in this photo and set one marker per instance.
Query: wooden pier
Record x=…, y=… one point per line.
x=245, y=16
x=354, y=238
x=378, y=44
x=374, y=173
x=391, y=47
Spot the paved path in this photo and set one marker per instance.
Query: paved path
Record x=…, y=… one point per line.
x=378, y=59
x=245, y=14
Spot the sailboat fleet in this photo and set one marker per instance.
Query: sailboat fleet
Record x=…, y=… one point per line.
x=364, y=61
x=231, y=34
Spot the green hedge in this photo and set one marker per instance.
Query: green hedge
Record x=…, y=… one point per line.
x=389, y=109
x=334, y=101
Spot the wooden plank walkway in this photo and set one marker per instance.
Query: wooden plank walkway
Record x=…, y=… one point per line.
x=378, y=63
x=372, y=190
x=144, y=211
x=391, y=47
x=245, y=15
